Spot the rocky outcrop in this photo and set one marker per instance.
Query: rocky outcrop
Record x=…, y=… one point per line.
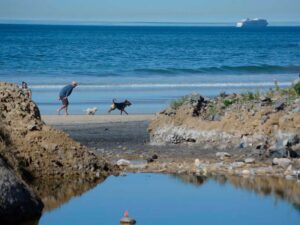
x=35, y=150
x=35, y=156
x=267, y=122
x=17, y=202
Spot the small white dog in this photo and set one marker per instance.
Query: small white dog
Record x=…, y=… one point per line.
x=91, y=111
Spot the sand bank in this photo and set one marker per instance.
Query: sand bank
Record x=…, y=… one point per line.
x=82, y=119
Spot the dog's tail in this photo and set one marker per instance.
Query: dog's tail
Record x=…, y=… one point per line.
x=114, y=100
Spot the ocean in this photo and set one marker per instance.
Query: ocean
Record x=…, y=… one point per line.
x=148, y=65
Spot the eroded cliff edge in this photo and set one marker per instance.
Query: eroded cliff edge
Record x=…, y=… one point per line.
x=33, y=154
x=268, y=123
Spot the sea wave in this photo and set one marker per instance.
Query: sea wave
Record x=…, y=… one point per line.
x=255, y=69
x=175, y=85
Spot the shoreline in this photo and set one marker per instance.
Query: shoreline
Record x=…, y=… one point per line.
x=95, y=119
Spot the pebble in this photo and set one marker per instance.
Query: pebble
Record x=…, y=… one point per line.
x=237, y=164
x=223, y=154
x=123, y=162
x=249, y=160
x=246, y=172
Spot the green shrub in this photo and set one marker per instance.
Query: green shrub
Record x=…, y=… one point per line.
x=249, y=96
x=297, y=88
x=212, y=109
x=179, y=102
x=257, y=95
x=227, y=102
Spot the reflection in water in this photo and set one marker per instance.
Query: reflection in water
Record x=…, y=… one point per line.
x=288, y=190
x=140, y=193
x=55, y=193
x=190, y=179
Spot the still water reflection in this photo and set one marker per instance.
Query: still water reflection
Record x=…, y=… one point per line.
x=178, y=200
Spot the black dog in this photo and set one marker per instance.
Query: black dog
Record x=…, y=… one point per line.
x=120, y=106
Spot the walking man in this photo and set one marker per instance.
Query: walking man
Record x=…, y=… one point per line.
x=64, y=93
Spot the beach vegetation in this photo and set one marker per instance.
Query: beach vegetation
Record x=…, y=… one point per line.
x=297, y=88
x=228, y=102
x=212, y=110
x=175, y=104
x=250, y=96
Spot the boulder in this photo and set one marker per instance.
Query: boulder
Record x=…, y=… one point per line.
x=123, y=162
x=282, y=162
x=279, y=105
x=17, y=202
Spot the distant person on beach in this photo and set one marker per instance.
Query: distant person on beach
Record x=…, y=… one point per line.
x=64, y=93
x=26, y=91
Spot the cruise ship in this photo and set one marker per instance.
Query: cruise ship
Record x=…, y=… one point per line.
x=252, y=23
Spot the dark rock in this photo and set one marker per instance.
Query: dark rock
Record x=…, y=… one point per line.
x=150, y=160
x=196, y=101
x=33, y=127
x=259, y=146
x=216, y=117
x=277, y=153
x=155, y=156
x=264, y=101
x=17, y=202
x=292, y=140
x=291, y=153
x=191, y=140
x=279, y=106
x=169, y=112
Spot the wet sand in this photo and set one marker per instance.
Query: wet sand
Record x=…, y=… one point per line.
x=126, y=137
x=118, y=137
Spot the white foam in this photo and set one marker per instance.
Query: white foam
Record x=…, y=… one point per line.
x=149, y=85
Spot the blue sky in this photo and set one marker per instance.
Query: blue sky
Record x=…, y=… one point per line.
x=149, y=10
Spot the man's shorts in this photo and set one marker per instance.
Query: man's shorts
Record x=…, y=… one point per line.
x=64, y=101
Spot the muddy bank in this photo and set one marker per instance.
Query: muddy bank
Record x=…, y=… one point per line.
x=130, y=141
x=36, y=150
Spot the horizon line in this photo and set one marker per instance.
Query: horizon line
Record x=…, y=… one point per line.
x=99, y=23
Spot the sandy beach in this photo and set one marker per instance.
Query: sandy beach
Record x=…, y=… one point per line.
x=84, y=119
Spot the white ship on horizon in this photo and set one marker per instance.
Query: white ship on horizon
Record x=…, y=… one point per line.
x=252, y=23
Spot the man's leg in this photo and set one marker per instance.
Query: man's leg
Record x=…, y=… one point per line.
x=66, y=111
x=61, y=108
x=66, y=106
